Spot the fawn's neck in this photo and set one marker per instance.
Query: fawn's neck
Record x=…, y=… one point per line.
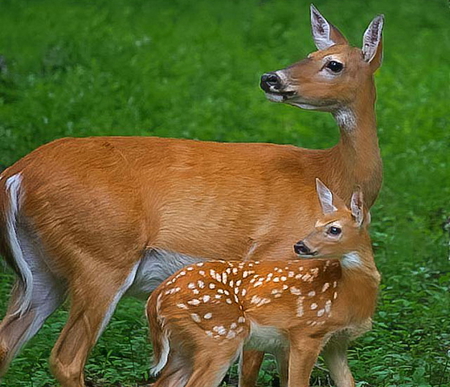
x=360, y=282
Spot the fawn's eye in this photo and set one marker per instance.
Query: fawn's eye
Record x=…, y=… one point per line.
x=333, y=230
x=334, y=66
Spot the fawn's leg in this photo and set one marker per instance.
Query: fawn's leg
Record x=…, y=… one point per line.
x=335, y=356
x=303, y=354
x=282, y=357
x=176, y=372
x=211, y=363
x=249, y=366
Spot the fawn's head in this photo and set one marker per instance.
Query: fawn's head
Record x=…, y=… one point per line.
x=340, y=230
x=329, y=78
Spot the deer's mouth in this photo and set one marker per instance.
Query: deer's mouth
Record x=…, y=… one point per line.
x=280, y=96
x=308, y=255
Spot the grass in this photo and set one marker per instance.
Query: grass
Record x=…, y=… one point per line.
x=190, y=70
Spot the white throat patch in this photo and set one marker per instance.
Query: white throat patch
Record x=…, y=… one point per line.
x=351, y=260
x=346, y=119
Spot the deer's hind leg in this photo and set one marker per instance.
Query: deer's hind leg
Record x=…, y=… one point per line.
x=29, y=305
x=94, y=297
x=17, y=329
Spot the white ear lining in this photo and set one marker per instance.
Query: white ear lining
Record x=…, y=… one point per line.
x=356, y=207
x=321, y=30
x=372, y=38
x=325, y=197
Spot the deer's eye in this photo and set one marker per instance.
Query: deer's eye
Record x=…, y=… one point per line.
x=333, y=230
x=335, y=67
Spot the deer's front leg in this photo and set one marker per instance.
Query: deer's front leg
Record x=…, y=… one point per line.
x=304, y=351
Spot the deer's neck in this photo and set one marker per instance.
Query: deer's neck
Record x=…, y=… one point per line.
x=358, y=147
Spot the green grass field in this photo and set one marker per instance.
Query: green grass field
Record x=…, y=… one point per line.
x=190, y=69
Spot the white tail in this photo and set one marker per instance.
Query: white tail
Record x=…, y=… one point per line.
x=101, y=217
x=210, y=311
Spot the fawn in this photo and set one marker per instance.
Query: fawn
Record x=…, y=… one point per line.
x=203, y=316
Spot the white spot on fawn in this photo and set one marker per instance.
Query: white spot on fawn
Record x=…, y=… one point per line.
x=300, y=307
x=295, y=291
x=220, y=330
x=328, y=306
x=231, y=334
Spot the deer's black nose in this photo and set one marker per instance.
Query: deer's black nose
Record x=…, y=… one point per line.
x=270, y=80
x=301, y=249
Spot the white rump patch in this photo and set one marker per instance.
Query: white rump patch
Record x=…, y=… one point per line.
x=13, y=185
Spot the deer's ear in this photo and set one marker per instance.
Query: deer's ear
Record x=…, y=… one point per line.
x=325, y=198
x=357, y=207
x=372, y=43
x=324, y=33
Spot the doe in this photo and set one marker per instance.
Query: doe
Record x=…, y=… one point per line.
x=203, y=316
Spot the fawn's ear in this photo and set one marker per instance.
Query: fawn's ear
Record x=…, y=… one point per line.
x=324, y=34
x=325, y=197
x=372, y=43
x=357, y=207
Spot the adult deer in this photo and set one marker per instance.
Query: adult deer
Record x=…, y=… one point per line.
x=95, y=218
x=203, y=316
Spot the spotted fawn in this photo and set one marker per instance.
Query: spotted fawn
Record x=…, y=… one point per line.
x=203, y=316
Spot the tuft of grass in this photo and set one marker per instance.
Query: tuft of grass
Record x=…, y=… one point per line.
x=191, y=70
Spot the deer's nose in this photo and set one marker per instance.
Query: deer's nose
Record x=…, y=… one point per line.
x=301, y=249
x=270, y=81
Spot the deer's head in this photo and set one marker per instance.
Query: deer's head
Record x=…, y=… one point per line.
x=328, y=79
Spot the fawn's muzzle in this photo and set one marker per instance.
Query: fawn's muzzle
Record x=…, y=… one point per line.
x=301, y=249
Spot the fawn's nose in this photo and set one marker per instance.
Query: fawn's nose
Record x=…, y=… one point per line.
x=270, y=81
x=301, y=249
